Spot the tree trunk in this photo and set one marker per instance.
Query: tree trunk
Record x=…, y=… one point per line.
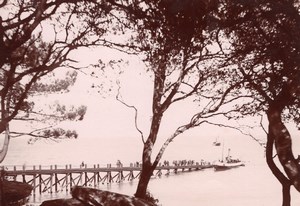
x=157, y=110
x=4, y=149
x=2, y=126
x=3, y=153
x=146, y=173
x=147, y=166
x=286, y=194
x=283, y=145
x=285, y=183
x=1, y=187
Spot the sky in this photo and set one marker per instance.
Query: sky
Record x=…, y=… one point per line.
x=108, y=118
x=136, y=90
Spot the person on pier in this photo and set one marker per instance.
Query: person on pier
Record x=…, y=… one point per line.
x=119, y=164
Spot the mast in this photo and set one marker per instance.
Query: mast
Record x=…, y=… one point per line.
x=223, y=150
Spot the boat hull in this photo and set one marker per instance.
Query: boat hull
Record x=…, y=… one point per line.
x=227, y=166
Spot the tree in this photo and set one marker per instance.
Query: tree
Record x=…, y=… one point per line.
x=176, y=39
x=265, y=40
x=42, y=121
x=36, y=38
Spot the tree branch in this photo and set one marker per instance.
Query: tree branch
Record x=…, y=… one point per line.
x=132, y=107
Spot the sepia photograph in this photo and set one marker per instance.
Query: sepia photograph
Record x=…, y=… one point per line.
x=150, y=102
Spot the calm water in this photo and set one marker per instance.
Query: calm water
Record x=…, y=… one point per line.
x=247, y=186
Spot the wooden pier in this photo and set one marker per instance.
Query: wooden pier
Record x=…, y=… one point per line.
x=53, y=179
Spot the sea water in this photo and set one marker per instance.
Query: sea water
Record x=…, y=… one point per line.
x=252, y=185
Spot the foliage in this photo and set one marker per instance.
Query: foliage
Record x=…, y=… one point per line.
x=36, y=38
x=177, y=40
x=210, y=52
x=265, y=40
x=54, y=133
x=59, y=85
x=70, y=113
x=265, y=47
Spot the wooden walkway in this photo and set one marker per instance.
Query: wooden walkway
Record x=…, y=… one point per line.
x=53, y=179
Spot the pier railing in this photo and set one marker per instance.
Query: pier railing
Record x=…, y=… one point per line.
x=55, y=178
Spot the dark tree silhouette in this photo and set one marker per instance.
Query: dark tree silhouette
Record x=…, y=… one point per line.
x=36, y=38
x=265, y=38
x=177, y=41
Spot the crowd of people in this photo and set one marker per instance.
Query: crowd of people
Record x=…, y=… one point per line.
x=164, y=163
x=185, y=163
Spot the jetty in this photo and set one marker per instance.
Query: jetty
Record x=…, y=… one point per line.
x=54, y=178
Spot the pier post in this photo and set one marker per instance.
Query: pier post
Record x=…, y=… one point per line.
x=109, y=177
x=40, y=180
x=40, y=183
x=98, y=177
x=71, y=179
x=95, y=184
x=33, y=180
x=131, y=175
x=94, y=177
x=83, y=179
x=67, y=182
x=80, y=178
x=23, y=168
x=56, y=182
x=51, y=180
x=55, y=179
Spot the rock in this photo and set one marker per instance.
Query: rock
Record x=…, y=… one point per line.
x=63, y=202
x=95, y=197
x=15, y=192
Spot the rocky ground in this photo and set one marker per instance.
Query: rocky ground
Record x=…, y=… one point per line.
x=83, y=196
x=15, y=193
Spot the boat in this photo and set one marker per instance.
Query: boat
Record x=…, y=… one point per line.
x=228, y=163
x=216, y=143
x=219, y=166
